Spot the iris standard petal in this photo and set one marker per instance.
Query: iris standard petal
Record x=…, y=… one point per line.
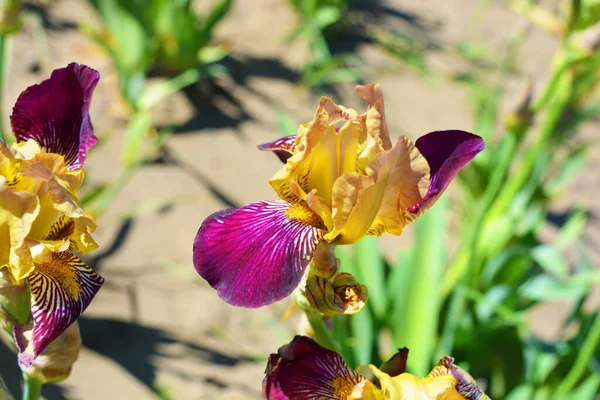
x=61, y=289
x=407, y=386
x=18, y=211
x=256, y=255
x=375, y=203
x=446, y=152
x=304, y=370
x=282, y=147
x=375, y=121
x=55, y=113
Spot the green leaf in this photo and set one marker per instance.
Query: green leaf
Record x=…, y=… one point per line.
x=546, y=288
x=363, y=329
x=572, y=229
x=216, y=14
x=136, y=137
x=159, y=91
x=522, y=392
x=370, y=271
x=415, y=322
x=550, y=259
x=326, y=16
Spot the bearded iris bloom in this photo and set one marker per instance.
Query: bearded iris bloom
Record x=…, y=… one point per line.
x=342, y=179
x=42, y=222
x=304, y=370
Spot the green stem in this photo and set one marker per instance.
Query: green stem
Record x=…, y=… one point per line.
x=591, y=343
x=322, y=335
x=32, y=389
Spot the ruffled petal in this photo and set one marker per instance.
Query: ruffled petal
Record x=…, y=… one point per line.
x=373, y=204
x=55, y=113
x=376, y=123
x=465, y=388
x=282, y=147
x=61, y=289
x=256, y=255
x=407, y=386
x=18, y=211
x=446, y=152
x=305, y=370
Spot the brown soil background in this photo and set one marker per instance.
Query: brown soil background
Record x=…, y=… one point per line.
x=155, y=323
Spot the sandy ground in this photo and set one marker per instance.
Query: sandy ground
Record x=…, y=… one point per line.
x=156, y=325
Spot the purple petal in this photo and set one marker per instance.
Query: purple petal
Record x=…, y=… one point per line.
x=255, y=255
x=282, y=147
x=61, y=289
x=446, y=152
x=305, y=370
x=55, y=113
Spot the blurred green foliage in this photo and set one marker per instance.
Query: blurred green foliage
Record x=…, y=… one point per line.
x=320, y=21
x=160, y=37
x=475, y=304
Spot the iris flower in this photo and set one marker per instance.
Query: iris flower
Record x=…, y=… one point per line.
x=42, y=222
x=304, y=370
x=342, y=179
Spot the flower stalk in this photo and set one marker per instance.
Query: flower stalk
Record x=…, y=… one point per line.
x=32, y=389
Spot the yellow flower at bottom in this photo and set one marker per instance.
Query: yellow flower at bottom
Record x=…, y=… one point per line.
x=305, y=370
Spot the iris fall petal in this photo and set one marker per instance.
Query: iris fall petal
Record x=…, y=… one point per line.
x=257, y=254
x=304, y=370
x=61, y=289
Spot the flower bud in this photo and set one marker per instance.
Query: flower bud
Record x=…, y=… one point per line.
x=340, y=294
x=55, y=362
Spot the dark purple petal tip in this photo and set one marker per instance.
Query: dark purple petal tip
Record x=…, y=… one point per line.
x=303, y=369
x=55, y=113
x=255, y=255
x=446, y=152
x=282, y=147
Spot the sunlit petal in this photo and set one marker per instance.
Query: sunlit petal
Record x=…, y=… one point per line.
x=376, y=123
x=305, y=370
x=61, y=289
x=56, y=113
x=373, y=204
x=18, y=211
x=256, y=255
x=446, y=152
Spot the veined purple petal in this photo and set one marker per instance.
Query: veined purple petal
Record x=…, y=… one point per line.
x=304, y=370
x=55, y=113
x=61, y=289
x=255, y=255
x=446, y=152
x=282, y=147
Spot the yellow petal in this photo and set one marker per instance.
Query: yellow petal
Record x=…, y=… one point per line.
x=297, y=166
x=18, y=210
x=376, y=123
x=408, y=387
x=373, y=204
x=365, y=390
x=404, y=173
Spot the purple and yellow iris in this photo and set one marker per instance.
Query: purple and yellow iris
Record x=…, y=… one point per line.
x=342, y=179
x=304, y=370
x=42, y=222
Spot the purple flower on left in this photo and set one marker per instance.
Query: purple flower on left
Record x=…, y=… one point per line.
x=42, y=222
